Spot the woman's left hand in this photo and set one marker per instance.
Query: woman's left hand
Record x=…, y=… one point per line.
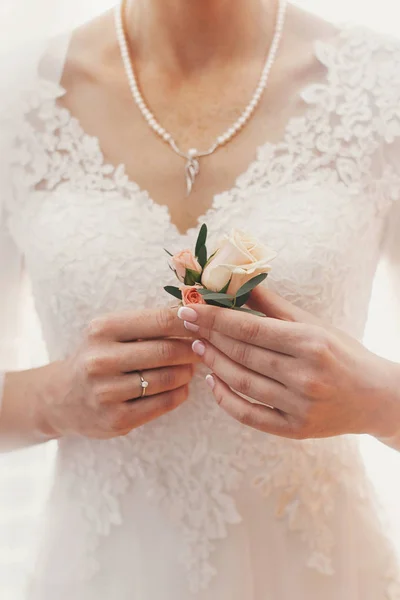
x=309, y=379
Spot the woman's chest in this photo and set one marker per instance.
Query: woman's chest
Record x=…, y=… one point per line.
x=91, y=252
x=195, y=114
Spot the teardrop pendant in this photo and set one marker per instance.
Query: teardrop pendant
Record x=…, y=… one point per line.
x=192, y=169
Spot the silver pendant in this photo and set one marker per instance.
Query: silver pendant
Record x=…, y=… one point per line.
x=192, y=169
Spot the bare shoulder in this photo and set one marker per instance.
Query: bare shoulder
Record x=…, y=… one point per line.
x=306, y=26
x=91, y=53
x=297, y=56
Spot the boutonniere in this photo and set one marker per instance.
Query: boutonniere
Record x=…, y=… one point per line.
x=226, y=278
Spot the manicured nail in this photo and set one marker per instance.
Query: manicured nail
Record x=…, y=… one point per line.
x=210, y=381
x=198, y=347
x=191, y=326
x=187, y=314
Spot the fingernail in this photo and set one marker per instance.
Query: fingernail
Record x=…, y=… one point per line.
x=191, y=326
x=198, y=347
x=187, y=314
x=210, y=381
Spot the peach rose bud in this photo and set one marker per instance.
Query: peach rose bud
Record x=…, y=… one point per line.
x=185, y=260
x=191, y=295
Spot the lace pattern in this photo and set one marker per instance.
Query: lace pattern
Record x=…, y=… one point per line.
x=194, y=461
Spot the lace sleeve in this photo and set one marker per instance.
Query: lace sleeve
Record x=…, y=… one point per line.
x=387, y=286
x=387, y=114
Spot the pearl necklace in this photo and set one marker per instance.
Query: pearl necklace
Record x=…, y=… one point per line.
x=192, y=165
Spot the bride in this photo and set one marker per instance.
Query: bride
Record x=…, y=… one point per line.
x=166, y=114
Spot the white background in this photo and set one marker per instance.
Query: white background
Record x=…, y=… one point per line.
x=26, y=476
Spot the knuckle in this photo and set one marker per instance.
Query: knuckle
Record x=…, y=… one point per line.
x=168, y=378
x=311, y=386
x=173, y=399
x=98, y=327
x=187, y=372
x=165, y=319
x=245, y=417
x=211, y=359
x=250, y=330
x=274, y=363
x=218, y=395
x=240, y=352
x=318, y=350
x=317, y=385
x=219, y=319
x=166, y=351
x=244, y=384
x=170, y=401
x=94, y=365
x=102, y=393
x=318, y=345
x=212, y=318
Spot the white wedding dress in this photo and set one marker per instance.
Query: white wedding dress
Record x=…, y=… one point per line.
x=194, y=505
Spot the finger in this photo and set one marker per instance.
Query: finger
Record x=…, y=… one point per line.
x=256, y=416
x=265, y=332
x=273, y=305
x=138, y=356
x=129, y=387
x=131, y=415
x=274, y=365
x=129, y=326
x=247, y=382
x=155, y=354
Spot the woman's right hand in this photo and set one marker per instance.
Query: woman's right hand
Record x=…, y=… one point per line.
x=97, y=392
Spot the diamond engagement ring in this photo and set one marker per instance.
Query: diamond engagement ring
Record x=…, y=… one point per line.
x=144, y=384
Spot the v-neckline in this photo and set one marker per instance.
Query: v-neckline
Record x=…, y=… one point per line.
x=240, y=181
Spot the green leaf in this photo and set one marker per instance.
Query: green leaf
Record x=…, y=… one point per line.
x=201, y=239
x=201, y=256
x=212, y=256
x=251, y=284
x=174, y=291
x=168, y=252
x=248, y=310
x=220, y=298
x=192, y=277
x=239, y=301
x=218, y=295
x=216, y=303
x=225, y=288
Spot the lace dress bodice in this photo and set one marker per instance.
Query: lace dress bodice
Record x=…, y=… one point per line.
x=92, y=242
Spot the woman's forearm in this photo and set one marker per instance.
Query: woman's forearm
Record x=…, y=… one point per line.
x=392, y=413
x=22, y=410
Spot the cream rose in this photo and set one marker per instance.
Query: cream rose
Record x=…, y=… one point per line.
x=184, y=260
x=240, y=257
x=191, y=295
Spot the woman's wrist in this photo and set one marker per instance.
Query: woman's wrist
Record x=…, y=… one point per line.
x=25, y=412
x=48, y=392
x=388, y=417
